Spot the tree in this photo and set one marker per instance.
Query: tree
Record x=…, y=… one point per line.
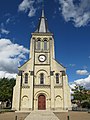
x=80, y=94
x=6, y=89
x=85, y=104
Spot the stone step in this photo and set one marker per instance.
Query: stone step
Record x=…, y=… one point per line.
x=41, y=115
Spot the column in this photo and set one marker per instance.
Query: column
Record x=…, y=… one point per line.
x=52, y=93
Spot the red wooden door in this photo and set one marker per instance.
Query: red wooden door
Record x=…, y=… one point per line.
x=41, y=102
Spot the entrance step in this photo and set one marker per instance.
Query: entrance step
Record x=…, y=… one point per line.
x=41, y=115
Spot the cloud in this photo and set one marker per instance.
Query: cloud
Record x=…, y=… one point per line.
x=77, y=12
x=7, y=75
x=28, y=6
x=4, y=30
x=32, y=12
x=72, y=86
x=11, y=56
x=82, y=72
x=8, y=20
x=33, y=24
x=72, y=65
x=82, y=82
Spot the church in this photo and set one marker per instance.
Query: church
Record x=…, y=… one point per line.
x=42, y=82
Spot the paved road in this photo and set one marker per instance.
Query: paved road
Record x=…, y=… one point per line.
x=41, y=115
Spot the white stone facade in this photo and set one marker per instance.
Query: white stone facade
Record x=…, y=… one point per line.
x=42, y=83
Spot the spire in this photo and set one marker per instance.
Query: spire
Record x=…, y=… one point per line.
x=42, y=27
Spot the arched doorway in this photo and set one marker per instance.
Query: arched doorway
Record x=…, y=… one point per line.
x=41, y=102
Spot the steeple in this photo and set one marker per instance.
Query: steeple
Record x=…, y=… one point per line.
x=42, y=27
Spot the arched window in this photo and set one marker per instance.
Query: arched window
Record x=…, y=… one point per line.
x=45, y=44
x=26, y=78
x=41, y=78
x=38, y=44
x=57, y=78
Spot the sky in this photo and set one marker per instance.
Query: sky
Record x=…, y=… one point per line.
x=68, y=20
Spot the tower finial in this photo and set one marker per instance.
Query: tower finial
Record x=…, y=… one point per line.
x=42, y=4
x=42, y=8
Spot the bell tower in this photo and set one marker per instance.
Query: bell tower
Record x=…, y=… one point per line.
x=42, y=43
x=42, y=53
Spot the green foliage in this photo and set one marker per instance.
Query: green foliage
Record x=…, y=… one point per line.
x=85, y=105
x=81, y=96
x=6, y=89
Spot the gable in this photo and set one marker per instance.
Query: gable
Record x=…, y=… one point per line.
x=57, y=66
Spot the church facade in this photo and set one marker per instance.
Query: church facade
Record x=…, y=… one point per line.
x=42, y=83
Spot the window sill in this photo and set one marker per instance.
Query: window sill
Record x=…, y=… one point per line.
x=57, y=85
x=42, y=85
x=42, y=51
x=25, y=86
